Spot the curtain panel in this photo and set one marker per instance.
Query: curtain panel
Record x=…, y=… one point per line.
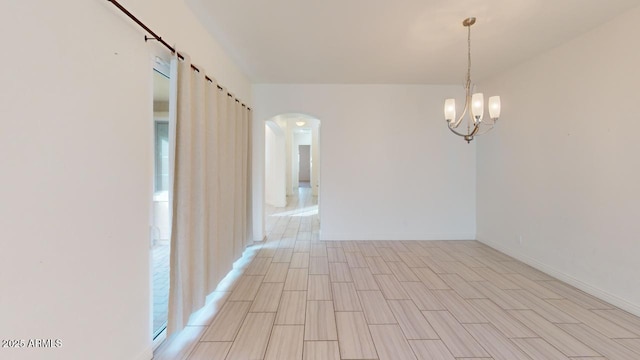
x=210, y=171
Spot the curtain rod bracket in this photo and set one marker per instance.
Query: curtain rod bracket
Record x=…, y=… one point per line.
x=147, y=38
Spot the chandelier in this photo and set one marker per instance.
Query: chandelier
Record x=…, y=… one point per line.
x=473, y=104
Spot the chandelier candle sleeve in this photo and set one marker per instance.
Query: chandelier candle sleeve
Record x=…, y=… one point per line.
x=477, y=107
x=450, y=109
x=494, y=107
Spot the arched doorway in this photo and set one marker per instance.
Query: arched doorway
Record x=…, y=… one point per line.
x=292, y=173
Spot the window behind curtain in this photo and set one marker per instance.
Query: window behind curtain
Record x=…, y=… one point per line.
x=161, y=156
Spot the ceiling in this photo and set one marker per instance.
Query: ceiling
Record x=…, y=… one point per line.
x=384, y=41
x=300, y=123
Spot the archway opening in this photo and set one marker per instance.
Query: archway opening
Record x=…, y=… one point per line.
x=292, y=176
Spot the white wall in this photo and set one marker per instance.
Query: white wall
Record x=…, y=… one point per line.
x=562, y=170
x=76, y=183
x=315, y=159
x=275, y=162
x=390, y=168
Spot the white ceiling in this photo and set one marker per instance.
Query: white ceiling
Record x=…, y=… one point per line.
x=384, y=41
x=290, y=121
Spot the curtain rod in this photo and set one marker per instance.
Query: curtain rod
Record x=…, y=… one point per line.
x=155, y=36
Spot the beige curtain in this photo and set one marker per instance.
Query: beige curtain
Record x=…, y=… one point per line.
x=247, y=215
x=210, y=171
x=239, y=207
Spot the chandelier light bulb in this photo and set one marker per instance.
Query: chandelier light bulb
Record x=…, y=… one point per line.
x=450, y=109
x=477, y=106
x=494, y=107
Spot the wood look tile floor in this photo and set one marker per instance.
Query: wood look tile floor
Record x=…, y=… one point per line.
x=295, y=297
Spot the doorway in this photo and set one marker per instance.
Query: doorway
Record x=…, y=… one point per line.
x=292, y=168
x=304, y=166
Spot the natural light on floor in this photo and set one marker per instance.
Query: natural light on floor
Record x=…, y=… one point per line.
x=307, y=211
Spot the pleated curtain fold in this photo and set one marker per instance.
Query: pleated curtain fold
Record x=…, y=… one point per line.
x=211, y=219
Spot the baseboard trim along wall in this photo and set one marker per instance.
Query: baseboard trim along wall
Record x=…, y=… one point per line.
x=549, y=270
x=393, y=236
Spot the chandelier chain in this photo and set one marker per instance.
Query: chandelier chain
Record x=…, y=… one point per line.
x=468, y=86
x=469, y=56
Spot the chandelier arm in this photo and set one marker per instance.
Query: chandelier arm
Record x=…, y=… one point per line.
x=466, y=106
x=474, y=132
x=469, y=134
x=486, y=129
x=455, y=132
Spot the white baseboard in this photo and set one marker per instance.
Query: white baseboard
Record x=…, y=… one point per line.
x=147, y=354
x=393, y=236
x=586, y=287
